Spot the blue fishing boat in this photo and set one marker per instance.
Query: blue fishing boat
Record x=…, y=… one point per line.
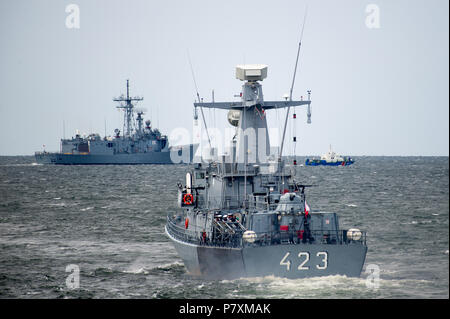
x=330, y=159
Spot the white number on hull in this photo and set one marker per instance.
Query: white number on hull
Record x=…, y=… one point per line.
x=301, y=267
x=324, y=260
x=284, y=263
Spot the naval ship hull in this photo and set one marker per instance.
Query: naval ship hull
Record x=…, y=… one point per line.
x=285, y=260
x=116, y=159
x=79, y=159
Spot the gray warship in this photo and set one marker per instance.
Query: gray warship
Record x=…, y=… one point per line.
x=139, y=143
x=245, y=215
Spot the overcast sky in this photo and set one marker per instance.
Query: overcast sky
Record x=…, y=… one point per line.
x=375, y=90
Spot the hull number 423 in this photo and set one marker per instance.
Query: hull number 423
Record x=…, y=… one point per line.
x=303, y=257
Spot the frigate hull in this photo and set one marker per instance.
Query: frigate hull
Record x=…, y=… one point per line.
x=117, y=159
x=163, y=157
x=285, y=260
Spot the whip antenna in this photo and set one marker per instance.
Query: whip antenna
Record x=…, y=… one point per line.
x=293, y=81
x=199, y=100
x=298, y=54
x=193, y=76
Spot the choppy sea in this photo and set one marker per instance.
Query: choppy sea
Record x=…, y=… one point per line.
x=107, y=222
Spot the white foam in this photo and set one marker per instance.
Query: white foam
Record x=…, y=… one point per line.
x=314, y=287
x=169, y=265
x=136, y=271
x=62, y=204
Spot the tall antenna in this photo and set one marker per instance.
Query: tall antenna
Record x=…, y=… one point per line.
x=298, y=54
x=199, y=100
x=128, y=108
x=193, y=76
x=293, y=81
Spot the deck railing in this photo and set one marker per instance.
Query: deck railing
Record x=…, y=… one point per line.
x=290, y=237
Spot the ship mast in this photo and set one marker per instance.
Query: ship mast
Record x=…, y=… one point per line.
x=252, y=123
x=128, y=108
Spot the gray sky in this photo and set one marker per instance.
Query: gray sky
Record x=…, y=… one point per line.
x=375, y=91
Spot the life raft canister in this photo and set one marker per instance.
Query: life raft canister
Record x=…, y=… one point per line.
x=186, y=223
x=188, y=199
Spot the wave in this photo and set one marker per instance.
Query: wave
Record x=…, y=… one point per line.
x=335, y=286
x=136, y=271
x=170, y=266
x=61, y=204
x=22, y=165
x=137, y=268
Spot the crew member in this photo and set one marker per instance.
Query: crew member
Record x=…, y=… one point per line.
x=204, y=236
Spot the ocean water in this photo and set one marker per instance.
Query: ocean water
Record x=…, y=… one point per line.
x=108, y=223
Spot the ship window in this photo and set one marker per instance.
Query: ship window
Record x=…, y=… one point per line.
x=200, y=175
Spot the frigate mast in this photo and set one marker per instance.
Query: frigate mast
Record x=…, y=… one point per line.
x=128, y=108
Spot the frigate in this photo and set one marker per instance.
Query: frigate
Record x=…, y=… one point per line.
x=244, y=214
x=139, y=143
